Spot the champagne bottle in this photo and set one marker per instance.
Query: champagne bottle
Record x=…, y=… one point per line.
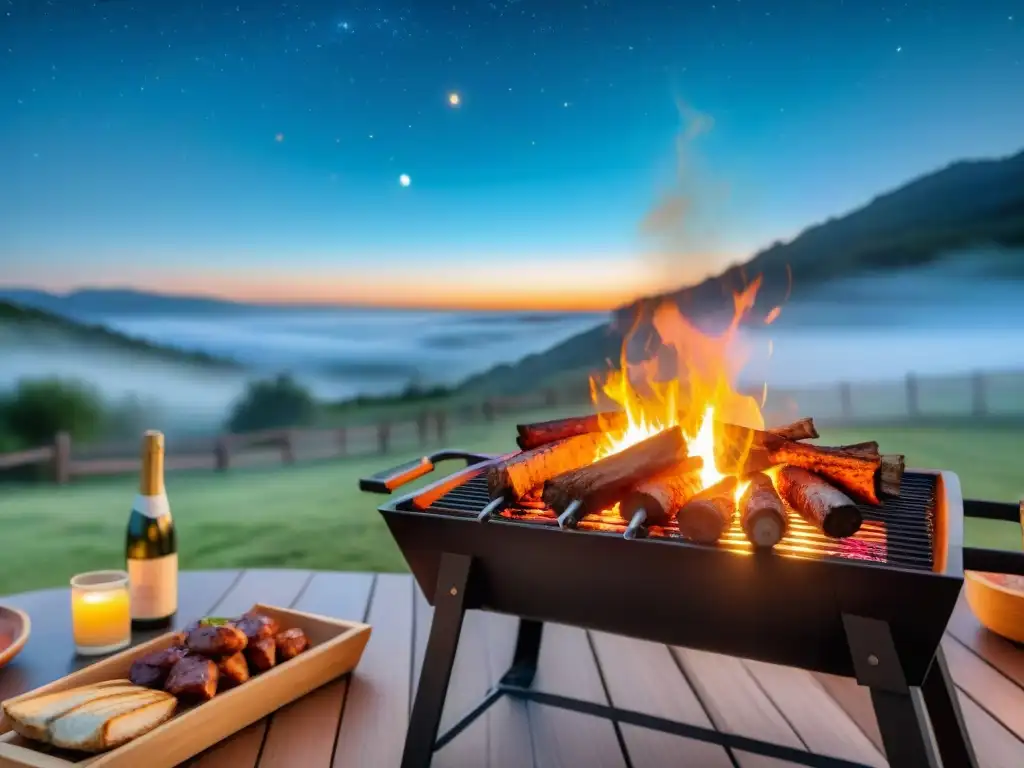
x=152, y=548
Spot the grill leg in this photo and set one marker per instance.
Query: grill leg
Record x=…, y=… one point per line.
x=526, y=655
x=449, y=610
x=902, y=717
x=948, y=720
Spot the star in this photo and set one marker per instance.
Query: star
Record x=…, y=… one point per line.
x=404, y=180
x=899, y=48
x=279, y=137
x=454, y=99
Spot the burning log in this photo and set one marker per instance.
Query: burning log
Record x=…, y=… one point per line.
x=819, y=503
x=854, y=471
x=517, y=476
x=762, y=513
x=658, y=499
x=706, y=516
x=890, y=474
x=544, y=432
x=599, y=485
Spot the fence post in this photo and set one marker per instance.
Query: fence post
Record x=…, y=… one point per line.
x=422, y=422
x=384, y=436
x=441, y=418
x=62, y=458
x=288, y=447
x=846, y=400
x=488, y=410
x=342, y=438
x=913, y=408
x=222, y=454
x=979, y=404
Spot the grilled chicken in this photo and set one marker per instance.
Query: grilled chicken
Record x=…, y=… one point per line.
x=152, y=669
x=257, y=626
x=216, y=640
x=193, y=677
x=234, y=670
x=262, y=654
x=290, y=643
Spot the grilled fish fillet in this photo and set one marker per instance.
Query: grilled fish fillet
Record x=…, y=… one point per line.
x=31, y=716
x=110, y=721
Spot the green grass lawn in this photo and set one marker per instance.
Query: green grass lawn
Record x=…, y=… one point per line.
x=313, y=515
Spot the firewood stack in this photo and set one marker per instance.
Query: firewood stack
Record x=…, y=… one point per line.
x=656, y=482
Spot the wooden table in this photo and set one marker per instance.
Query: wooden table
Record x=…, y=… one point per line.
x=360, y=722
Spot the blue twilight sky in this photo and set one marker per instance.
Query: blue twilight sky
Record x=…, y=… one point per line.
x=254, y=148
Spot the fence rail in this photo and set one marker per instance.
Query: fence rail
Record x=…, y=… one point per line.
x=978, y=397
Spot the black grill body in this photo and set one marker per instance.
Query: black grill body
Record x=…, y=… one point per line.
x=873, y=607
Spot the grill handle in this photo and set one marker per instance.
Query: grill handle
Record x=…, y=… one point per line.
x=388, y=480
x=994, y=560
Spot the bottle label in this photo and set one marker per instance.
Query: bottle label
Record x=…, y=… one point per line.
x=152, y=506
x=153, y=585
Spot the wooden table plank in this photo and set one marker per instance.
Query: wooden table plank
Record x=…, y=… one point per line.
x=271, y=587
x=819, y=721
x=564, y=739
x=49, y=654
x=305, y=731
x=376, y=711
x=643, y=677
x=735, y=701
x=997, y=695
x=510, y=740
x=468, y=686
x=855, y=702
x=996, y=650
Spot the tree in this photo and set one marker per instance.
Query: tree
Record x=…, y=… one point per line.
x=272, y=404
x=38, y=409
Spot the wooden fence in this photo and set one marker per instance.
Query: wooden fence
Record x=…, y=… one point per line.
x=978, y=397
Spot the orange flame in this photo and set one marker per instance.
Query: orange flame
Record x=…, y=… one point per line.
x=699, y=396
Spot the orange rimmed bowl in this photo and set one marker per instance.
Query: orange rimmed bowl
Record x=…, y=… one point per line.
x=997, y=600
x=14, y=630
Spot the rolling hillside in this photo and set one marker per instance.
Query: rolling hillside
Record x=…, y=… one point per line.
x=20, y=322
x=966, y=204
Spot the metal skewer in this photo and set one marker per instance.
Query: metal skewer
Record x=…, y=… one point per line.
x=636, y=524
x=492, y=506
x=568, y=518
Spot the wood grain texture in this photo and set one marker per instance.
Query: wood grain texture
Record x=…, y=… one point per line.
x=377, y=706
x=997, y=651
x=643, y=677
x=510, y=740
x=304, y=732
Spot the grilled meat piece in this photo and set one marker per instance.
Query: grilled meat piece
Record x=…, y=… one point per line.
x=152, y=669
x=221, y=640
x=234, y=670
x=290, y=643
x=257, y=626
x=262, y=654
x=193, y=677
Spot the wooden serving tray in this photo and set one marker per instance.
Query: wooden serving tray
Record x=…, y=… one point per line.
x=336, y=647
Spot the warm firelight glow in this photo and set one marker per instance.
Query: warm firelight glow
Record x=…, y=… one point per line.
x=699, y=395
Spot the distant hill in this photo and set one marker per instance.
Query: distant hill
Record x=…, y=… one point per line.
x=966, y=204
x=23, y=320
x=90, y=302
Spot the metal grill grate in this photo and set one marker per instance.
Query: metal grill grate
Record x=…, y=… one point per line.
x=899, y=533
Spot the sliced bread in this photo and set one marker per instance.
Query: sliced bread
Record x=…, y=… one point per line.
x=31, y=716
x=110, y=721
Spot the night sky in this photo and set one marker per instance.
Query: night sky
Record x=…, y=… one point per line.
x=254, y=149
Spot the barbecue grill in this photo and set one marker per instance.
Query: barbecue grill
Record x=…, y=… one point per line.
x=873, y=607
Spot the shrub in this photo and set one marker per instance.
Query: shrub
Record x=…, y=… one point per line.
x=272, y=404
x=38, y=409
